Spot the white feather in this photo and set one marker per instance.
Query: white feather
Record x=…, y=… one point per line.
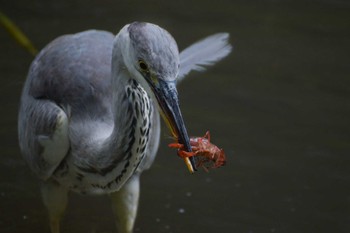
x=205, y=52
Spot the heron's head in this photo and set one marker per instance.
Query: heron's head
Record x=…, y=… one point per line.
x=151, y=56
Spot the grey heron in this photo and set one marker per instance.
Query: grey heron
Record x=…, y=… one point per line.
x=89, y=117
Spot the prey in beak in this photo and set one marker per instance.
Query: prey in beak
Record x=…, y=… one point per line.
x=168, y=102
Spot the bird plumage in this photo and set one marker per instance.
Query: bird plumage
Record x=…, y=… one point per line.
x=88, y=118
x=205, y=52
x=74, y=72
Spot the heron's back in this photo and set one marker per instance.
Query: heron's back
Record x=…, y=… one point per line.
x=74, y=70
x=68, y=85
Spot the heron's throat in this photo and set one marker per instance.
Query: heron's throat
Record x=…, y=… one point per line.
x=136, y=129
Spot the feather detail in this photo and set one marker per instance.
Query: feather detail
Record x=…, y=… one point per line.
x=205, y=52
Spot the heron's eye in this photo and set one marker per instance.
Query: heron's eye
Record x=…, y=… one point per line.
x=143, y=66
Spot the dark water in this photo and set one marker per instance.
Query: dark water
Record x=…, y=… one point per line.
x=279, y=106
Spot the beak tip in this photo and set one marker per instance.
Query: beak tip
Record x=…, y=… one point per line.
x=193, y=164
x=190, y=165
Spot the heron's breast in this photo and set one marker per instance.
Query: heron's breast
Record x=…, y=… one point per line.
x=110, y=178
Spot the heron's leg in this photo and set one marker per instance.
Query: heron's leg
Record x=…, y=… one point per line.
x=125, y=203
x=55, y=198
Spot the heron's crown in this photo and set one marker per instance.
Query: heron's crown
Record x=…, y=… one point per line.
x=156, y=47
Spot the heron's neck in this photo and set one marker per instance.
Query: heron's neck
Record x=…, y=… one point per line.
x=132, y=112
x=121, y=109
x=131, y=109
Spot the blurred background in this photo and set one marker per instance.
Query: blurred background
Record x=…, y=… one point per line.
x=279, y=105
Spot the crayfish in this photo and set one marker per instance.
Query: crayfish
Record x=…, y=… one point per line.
x=207, y=154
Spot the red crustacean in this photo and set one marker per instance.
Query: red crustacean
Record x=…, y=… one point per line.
x=207, y=154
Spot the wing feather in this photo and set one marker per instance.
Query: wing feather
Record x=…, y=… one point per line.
x=205, y=52
x=43, y=135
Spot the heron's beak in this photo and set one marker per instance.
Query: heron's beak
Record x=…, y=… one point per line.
x=167, y=97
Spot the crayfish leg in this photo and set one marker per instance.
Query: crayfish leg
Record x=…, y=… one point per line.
x=185, y=154
x=207, y=135
x=176, y=145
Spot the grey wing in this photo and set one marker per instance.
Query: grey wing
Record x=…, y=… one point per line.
x=43, y=135
x=205, y=52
